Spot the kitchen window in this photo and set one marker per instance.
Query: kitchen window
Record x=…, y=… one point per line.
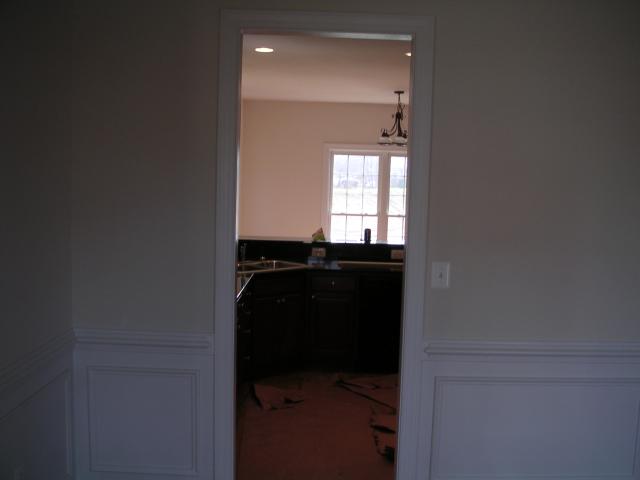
x=366, y=189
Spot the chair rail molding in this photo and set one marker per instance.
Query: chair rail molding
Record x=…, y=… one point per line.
x=165, y=342
x=614, y=350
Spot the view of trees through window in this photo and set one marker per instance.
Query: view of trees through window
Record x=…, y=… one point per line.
x=368, y=191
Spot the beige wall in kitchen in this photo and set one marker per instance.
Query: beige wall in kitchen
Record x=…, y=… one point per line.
x=35, y=190
x=535, y=173
x=281, y=160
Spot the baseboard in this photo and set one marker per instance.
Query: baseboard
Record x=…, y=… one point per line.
x=525, y=410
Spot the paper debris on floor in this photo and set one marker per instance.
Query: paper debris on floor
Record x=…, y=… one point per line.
x=273, y=398
x=384, y=422
x=372, y=383
x=385, y=427
x=385, y=443
x=382, y=389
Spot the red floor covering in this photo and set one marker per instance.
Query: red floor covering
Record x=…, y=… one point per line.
x=325, y=437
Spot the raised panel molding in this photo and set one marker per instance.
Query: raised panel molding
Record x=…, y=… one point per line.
x=525, y=411
x=143, y=420
x=143, y=405
x=552, y=428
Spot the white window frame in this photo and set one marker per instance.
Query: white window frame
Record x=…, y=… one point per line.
x=384, y=153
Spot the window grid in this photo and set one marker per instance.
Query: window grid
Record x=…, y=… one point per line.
x=368, y=190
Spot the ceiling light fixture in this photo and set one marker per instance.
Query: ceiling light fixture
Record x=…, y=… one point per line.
x=264, y=49
x=408, y=54
x=397, y=135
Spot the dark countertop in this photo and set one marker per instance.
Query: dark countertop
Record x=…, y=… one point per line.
x=320, y=265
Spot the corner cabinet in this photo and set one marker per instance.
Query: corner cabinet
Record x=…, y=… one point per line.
x=332, y=320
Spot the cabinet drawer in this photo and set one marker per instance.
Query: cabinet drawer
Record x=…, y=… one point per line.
x=336, y=283
x=277, y=283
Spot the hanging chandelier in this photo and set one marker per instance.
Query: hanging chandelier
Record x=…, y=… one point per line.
x=397, y=135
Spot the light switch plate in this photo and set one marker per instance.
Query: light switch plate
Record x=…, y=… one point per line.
x=440, y=275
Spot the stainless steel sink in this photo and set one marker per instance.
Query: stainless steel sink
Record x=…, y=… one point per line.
x=265, y=266
x=367, y=265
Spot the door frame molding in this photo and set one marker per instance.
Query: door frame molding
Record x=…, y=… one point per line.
x=418, y=29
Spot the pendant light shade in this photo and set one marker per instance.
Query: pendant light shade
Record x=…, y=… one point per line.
x=397, y=134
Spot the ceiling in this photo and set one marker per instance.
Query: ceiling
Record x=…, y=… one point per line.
x=323, y=69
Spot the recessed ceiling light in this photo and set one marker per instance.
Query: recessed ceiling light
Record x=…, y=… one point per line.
x=264, y=49
x=408, y=54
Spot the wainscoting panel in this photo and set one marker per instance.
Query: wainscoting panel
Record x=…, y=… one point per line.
x=144, y=405
x=546, y=414
x=36, y=414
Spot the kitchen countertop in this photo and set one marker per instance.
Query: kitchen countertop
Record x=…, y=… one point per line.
x=243, y=279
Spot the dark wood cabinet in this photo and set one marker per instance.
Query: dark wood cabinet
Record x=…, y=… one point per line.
x=244, y=338
x=277, y=324
x=332, y=321
x=344, y=320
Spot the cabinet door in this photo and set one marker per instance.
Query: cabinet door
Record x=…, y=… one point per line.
x=243, y=341
x=266, y=331
x=332, y=319
x=292, y=319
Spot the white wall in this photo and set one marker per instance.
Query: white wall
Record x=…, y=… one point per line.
x=534, y=194
x=282, y=160
x=143, y=176
x=535, y=171
x=35, y=192
x=534, y=200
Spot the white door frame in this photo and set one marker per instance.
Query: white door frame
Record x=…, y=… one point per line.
x=420, y=30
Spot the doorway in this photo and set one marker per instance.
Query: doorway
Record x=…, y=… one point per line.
x=234, y=25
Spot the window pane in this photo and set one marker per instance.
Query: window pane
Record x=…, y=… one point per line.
x=372, y=223
x=339, y=181
x=356, y=166
x=370, y=187
x=354, y=228
x=354, y=184
x=397, y=185
x=398, y=166
x=395, y=231
x=338, y=228
x=339, y=168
